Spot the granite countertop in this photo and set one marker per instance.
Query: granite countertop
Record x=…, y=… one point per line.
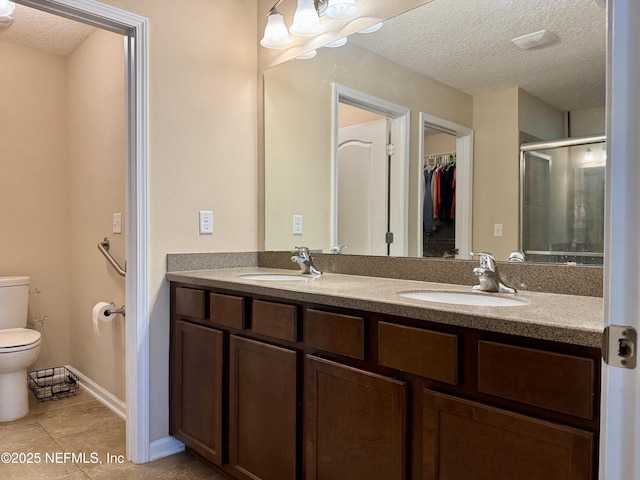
x=563, y=318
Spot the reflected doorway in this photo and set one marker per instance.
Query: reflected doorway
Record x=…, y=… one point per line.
x=369, y=175
x=439, y=171
x=445, y=180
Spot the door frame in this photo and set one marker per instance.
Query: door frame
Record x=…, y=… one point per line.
x=399, y=188
x=620, y=397
x=464, y=181
x=135, y=30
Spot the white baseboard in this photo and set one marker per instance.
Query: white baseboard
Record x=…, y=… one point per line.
x=112, y=402
x=164, y=447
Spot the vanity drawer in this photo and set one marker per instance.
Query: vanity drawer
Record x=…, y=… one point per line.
x=226, y=310
x=277, y=320
x=190, y=303
x=335, y=333
x=419, y=351
x=563, y=383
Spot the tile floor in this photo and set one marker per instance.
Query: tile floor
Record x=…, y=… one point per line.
x=82, y=425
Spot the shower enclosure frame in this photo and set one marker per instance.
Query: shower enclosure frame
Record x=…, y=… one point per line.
x=543, y=145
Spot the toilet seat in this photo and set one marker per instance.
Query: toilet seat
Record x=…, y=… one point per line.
x=18, y=339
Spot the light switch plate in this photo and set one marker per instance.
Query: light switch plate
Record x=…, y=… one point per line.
x=117, y=223
x=497, y=229
x=206, y=222
x=297, y=224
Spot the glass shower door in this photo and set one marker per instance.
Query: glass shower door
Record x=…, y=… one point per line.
x=562, y=201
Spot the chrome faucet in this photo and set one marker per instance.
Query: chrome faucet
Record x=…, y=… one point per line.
x=338, y=249
x=488, y=276
x=305, y=261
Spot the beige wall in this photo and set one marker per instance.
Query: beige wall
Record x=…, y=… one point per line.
x=538, y=118
x=589, y=121
x=298, y=160
x=64, y=165
x=97, y=160
x=348, y=115
x=496, y=172
x=33, y=188
x=436, y=143
x=202, y=147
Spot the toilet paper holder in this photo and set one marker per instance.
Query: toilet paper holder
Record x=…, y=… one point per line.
x=117, y=311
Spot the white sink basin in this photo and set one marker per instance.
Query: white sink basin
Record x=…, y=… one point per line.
x=463, y=298
x=274, y=277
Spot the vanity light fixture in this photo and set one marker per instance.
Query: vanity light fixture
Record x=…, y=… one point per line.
x=306, y=20
x=6, y=8
x=337, y=43
x=591, y=162
x=276, y=35
x=588, y=155
x=373, y=28
x=535, y=39
x=307, y=55
x=342, y=9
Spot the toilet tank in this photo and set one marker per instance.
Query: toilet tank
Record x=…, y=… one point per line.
x=14, y=299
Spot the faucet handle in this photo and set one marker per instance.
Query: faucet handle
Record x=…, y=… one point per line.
x=304, y=251
x=517, y=256
x=337, y=249
x=487, y=260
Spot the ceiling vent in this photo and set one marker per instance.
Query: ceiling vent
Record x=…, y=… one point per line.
x=536, y=39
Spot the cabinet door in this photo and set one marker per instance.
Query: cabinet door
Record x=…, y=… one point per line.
x=196, y=388
x=464, y=440
x=263, y=410
x=355, y=423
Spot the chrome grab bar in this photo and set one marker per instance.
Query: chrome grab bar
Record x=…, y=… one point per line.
x=103, y=246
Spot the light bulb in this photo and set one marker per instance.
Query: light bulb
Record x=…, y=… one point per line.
x=337, y=43
x=6, y=8
x=588, y=156
x=373, y=28
x=342, y=9
x=275, y=33
x=307, y=55
x=306, y=21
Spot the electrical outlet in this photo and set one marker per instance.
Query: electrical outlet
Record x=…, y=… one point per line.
x=497, y=229
x=206, y=221
x=117, y=223
x=297, y=224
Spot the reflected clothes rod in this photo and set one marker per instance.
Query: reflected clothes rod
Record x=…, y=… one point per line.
x=103, y=246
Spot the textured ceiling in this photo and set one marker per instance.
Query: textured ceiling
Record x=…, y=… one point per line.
x=463, y=43
x=45, y=32
x=467, y=44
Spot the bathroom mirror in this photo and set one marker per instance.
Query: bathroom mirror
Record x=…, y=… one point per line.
x=453, y=63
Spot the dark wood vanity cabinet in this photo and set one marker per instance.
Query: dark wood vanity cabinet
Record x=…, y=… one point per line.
x=465, y=440
x=269, y=389
x=262, y=410
x=355, y=423
x=196, y=388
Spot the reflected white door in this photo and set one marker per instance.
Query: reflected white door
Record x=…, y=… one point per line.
x=363, y=188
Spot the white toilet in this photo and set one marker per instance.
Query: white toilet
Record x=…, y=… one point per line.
x=19, y=347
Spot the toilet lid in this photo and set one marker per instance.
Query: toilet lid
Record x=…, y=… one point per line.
x=18, y=337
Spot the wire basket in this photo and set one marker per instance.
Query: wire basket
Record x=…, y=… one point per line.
x=53, y=383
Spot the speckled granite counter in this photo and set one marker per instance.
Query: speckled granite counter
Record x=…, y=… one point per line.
x=562, y=318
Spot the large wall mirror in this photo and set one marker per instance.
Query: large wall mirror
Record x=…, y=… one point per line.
x=473, y=98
